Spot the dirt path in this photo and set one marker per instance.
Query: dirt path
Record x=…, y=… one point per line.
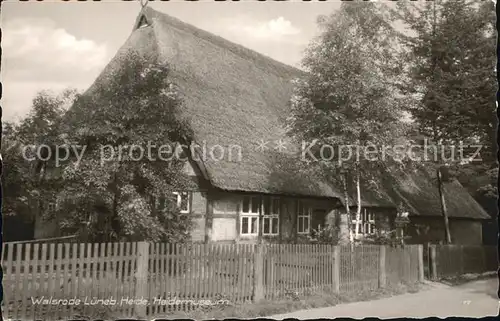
x=473, y=299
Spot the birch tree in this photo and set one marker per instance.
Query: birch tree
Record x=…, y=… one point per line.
x=350, y=96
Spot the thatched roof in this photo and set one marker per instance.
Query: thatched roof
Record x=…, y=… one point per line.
x=235, y=96
x=416, y=189
x=231, y=96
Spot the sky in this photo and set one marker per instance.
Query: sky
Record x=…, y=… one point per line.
x=57, y=45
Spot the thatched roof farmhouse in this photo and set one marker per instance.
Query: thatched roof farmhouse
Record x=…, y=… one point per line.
x=235, y=96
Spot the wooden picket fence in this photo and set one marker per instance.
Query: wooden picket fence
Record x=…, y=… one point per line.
x=447, y=261
x=142, y=279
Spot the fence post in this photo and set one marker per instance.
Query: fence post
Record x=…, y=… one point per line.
x=420, y=249
x=141, y=278
x=483, y=258
x=270, y=272
x=382, y=277
x=258, y=273
x=433, y=265
x=336, y=269
x=462, y=259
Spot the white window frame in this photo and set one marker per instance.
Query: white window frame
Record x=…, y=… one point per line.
x=179, y=201
x=368, y=222
x=249, y=215
x=353, y=223
x=52, y=206
x=273, y=214
x=303, y=216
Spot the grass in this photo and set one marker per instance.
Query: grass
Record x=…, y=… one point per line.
x=312, y=301
x=293, y=302
x=461, y=279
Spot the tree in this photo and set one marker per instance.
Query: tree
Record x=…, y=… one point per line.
x=15, y=177
x=99, y=197
x=452, y=76
x=117, y=191
x=350, y=94
x=23, y=180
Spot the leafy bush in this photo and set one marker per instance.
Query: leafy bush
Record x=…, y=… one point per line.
x=385, y=238
x=325, y=235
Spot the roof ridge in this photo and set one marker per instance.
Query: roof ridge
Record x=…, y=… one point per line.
x=219, y=41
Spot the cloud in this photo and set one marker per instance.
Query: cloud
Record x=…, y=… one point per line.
x=40, y=42
x=38, y=55
x=275, y=28
x=279, y=29
x=277, y=38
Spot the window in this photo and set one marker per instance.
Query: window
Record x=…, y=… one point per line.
x=51, y=206
x=303, y=218
x=183, y=201
x=55, y=204
x=368, y=219
x=271, y=214
x=353, y=222
x=367, y=224
x=249, y=225
x=142, y=22
x=250, y=205
x=249, y=215
x=249, y=218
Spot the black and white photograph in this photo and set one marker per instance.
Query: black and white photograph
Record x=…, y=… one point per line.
x=249, y=159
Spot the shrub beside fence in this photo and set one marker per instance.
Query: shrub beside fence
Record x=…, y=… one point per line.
x=121, y=277
x=447, y=261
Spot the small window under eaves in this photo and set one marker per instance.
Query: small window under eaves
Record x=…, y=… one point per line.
x=143, y=22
